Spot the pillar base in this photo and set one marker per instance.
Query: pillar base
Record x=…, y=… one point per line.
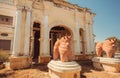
x=59, y=69
x=44, y=59
x=20, y=62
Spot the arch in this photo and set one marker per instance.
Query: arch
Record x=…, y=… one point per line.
x=62, y=24
x=62, y=28
x=82, y=37
x=58, y=32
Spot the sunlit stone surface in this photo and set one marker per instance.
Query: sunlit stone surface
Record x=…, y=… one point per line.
x=31, y=27
x=107, y=64
x=20, y=62
x=59, y=69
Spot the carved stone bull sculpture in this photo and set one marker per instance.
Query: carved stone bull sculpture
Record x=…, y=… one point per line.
x=108, y=46
x=62, y=49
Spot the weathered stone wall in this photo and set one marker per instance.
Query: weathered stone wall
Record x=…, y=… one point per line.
x=49, y=13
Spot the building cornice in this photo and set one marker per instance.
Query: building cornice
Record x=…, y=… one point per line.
x=72, y=6
x=63, y=3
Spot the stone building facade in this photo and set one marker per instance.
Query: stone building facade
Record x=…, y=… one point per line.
x=31, y=27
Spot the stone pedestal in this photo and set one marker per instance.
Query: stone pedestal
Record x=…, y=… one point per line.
x=107, y=64
x=20, y=62
x=58, y=69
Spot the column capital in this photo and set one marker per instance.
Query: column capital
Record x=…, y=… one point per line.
x=19, y=7
x=24, y=7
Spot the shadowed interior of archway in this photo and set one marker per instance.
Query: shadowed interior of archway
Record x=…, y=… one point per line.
x=81, y=33
x=36, y=33
x=56, y=33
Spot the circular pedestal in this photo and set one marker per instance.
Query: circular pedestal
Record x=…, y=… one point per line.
x=58, y=69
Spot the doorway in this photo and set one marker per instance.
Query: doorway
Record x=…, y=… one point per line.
x=36, y=32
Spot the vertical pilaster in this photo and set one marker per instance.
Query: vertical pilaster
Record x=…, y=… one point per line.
x=44, y=56
x=23, y=25
x=76, y=35
x=46, y=36
x=77, y=41
x=87, y=39
x=17, y=34
x=27, y=33
x=92, y=38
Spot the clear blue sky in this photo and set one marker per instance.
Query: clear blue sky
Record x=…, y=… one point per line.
x=107, y=19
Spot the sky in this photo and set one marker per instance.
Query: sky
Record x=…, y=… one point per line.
x=107, y=19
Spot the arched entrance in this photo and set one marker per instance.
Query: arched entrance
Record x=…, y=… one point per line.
x=81, y=33
x=55, y=33
x=36, y=49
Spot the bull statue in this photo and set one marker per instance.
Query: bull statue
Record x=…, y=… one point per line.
x=108, y=46
x=62, y=49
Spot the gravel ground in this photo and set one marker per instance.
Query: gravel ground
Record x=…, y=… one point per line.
x=41, y=71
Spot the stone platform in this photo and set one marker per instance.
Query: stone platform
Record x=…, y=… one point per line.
x=107, y=64
x=58, y=69
x=20, y=62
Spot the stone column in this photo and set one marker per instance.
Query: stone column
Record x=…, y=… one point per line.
x=44, y=55
x=91, y=38
x=27, y=34
x=87, y=39
x=74, y=45
x=17, y=34
x=46, y=36
x=76, y=37
x=23, y=26
x=21, y=36
x=77, y=47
